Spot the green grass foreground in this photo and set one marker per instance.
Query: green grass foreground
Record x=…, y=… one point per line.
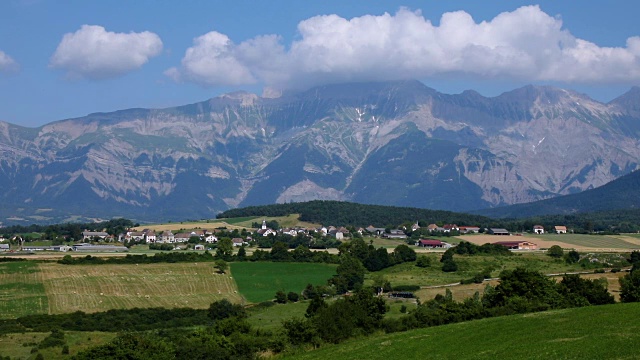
x=596, y=332
x=259, y=281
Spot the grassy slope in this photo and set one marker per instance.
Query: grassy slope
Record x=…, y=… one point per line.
x=260, y=281
x=598, y=332
x=409, y=274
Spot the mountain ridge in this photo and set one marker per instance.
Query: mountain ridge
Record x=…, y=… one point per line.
x=331, y=142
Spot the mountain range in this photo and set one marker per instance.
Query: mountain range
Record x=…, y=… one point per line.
x=619, y=194
x=394, y=143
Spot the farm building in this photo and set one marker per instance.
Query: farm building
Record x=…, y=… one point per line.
x=99, y=248
x=432, y=244
x=497, y=231
x=538, y=229
x=4, y=247
x=198, y=247
x=394, y=234
x=517, y=245
x=561, y=229
x=35, y=248
x=469, y=229
x=89, y=235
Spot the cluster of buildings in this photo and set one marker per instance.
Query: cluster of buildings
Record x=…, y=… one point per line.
x=559, y=229
x=150, y=236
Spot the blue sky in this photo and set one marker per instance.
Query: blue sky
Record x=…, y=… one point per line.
x=64, y=59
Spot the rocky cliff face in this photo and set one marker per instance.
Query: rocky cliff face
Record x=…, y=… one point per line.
x=396, y=143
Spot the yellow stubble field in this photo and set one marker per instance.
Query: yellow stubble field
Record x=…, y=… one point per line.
x=93, y=288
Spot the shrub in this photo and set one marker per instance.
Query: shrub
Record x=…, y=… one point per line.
x=423, y=261
x=293, y=297
x=406, y=288
x=281, y=297
x=555, y=251
x=223, y=309
x=449, y=266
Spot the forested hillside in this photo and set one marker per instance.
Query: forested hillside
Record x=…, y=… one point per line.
x=351, y=214
x=339, y=213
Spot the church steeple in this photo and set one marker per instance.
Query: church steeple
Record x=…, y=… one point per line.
x=264, y=224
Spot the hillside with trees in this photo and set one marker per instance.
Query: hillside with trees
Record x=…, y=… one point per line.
x=340, y=213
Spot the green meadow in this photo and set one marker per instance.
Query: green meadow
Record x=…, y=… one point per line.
x=410, y=274
x=596, y=332
x=22, y=291
x=259, y=281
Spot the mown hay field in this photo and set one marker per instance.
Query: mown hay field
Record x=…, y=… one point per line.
x=259, y=281
x=50, y=288
x=93, y=288
x=21, y=290
x=593, y=332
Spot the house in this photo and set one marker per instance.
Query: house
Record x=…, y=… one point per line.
x=498, y=231
x=374, y=230
x=415, y=226
x=432, y=244
x=182, y=237
x=4, y=247
x=150, y=236
x=432, y=227
x=517, y=245
x=288, y=231
x=450, y=227
x=90, y=235
x=136, y=236
x=561, y=229
x=238, y=242
x=265, y=232
x=166, y=237
x=538, y=229
x=339, y=235
x=210, y=238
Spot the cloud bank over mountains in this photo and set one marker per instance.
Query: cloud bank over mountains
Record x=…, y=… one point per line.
x=94, y=53
x=525, y=44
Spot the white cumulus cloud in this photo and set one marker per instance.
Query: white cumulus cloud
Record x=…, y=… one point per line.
x=7, y=64
x=525, y=44
x=94, y=53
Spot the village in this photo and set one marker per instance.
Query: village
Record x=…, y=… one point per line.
x=203, y=239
